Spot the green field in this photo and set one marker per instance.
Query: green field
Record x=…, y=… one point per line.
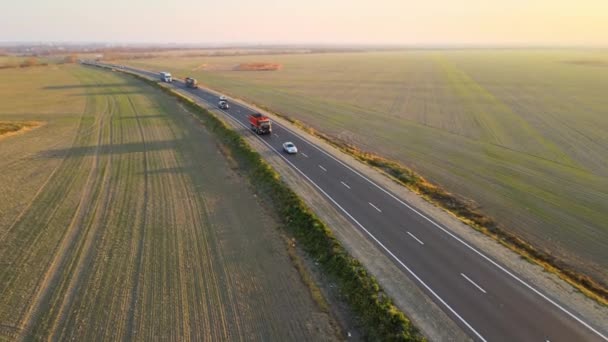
x=121, y=220
x=524, y=133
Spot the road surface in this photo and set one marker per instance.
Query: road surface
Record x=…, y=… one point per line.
x=487, y=300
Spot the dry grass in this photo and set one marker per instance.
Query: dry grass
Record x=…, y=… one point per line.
x=8, y=128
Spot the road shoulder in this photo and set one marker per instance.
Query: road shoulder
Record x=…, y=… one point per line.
x=424, y=313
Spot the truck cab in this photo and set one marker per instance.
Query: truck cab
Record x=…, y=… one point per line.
x=166, y=77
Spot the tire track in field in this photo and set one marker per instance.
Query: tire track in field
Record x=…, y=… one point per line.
x=175, y=209
x=191, y=209
x=18, y=248
x=139, y=260
x=68, y=242
x=85, y=260
x=231, y=327
x=100, y=307
x=88, y=131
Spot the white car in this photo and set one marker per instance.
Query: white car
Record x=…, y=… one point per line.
x=223, y=98
x=290, y=148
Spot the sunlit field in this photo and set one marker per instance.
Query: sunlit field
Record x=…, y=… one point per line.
x=521, y=132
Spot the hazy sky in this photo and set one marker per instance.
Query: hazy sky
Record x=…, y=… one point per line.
x=553, y=22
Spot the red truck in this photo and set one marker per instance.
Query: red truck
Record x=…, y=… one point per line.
x=260, y=123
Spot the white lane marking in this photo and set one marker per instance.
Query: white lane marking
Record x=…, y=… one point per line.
x=415, y=238
x=428, y=288
x=346, y=185
x=530, y=287
x=370, y=203
x=276, y=135
x=322, y=168
x=304, y=154
x=426, y=218
x=472, y=282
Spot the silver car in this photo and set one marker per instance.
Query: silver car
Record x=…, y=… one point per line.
x=223, y=105
x=290, y=148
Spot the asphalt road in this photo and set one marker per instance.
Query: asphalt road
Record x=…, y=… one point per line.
x=483, y=297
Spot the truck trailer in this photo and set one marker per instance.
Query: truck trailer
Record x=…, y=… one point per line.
x=191, y=82
x=260, y=124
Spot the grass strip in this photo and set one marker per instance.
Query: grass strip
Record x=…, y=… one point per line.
x=380, y=319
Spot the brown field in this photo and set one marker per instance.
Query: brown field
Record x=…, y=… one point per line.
x=121, y=220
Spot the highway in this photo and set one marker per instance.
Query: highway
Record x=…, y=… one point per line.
x=487, y=300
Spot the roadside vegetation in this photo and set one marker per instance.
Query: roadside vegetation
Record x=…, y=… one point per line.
x=518, y=136
x=121, y=220
x=379, y=317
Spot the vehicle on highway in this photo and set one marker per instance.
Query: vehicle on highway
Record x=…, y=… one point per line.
x=191, y=82
x=223, y=98
x=260, y=123
x=166, y=77
x=223, y=105
x=290, y=148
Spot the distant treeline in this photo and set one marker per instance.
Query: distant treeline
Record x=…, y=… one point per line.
x=33, y=61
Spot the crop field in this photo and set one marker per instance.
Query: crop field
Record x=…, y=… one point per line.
x=524, y=133
x=120, y=219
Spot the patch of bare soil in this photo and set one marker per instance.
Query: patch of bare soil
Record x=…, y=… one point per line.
x=9, y=128
x=588, y=62
x=213, y=67
x=258, y=67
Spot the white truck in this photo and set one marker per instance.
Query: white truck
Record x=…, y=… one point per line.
x=166, y=77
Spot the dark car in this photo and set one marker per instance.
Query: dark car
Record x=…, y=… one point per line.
x=191, y=82
x=223, y=105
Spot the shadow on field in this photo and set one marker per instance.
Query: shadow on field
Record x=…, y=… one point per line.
x=142, y=117
x=86, y=86
x=113, y=93
x=168, y=170
x=138, y=147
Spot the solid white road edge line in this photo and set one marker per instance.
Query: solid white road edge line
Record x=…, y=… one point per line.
x=415, y=238
x=472, y=282
x=530, y=287
x=368, y=233
x=426, y=218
